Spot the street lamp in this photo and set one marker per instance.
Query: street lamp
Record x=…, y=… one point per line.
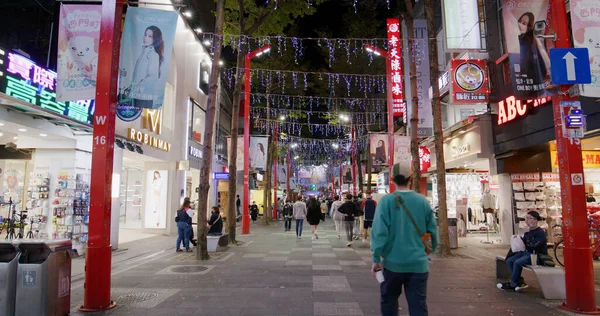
x=246, y=203
x=390, y=119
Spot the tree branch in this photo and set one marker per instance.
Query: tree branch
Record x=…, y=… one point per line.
x=241, y=17
x=264, y=14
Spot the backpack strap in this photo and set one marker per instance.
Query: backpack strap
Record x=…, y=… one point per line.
x=400, y=201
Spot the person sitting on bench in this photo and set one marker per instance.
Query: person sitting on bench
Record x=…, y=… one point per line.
x=535, y=243
x=215, y=224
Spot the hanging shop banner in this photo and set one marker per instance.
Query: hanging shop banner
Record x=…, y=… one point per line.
x=282, y=174
x=590, y=159
x=394, y=64
x=524, y=21
x=146, y=48
x=347, y=174
x=585, y=23
x=258, y=152
x=378, y=149
x=22, y=79
x=425, y=158
x=421, y=59
x=402, y=156
x=156, y=198
x=461, y=25
x=469, y=82
x=239, y=161
x=77, y=65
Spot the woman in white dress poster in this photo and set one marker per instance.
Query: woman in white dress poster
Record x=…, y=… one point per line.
x=258, y=160
x=156, y=191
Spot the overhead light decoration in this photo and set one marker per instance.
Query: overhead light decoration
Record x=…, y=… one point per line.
x=187, y=13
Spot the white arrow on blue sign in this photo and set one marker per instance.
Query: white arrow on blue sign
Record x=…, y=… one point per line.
x=570, y=66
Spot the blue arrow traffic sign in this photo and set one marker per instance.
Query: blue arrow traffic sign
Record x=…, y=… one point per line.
x=570, y=66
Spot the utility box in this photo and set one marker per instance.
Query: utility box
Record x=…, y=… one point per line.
x=8, y=278
x=44, y=278
x=453, y=233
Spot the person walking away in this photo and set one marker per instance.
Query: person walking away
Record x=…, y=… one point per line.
x=535, y=243
x=350, y=211
x=323, y=210
x=183, y=227
x=288, y=213
x=313, y=216
x=358, y=220
x=254, y=211
x=238, y=203
x=400, y=220
x=299, y=215
x=191, y=214
x=368, y=207
x=279, y=208
x=215, y=223
x=338, y=218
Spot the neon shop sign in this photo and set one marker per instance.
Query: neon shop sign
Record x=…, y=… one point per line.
x=22, y=79
x=511, y=108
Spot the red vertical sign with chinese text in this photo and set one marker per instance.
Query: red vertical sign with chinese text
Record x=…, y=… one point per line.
x=394, y=65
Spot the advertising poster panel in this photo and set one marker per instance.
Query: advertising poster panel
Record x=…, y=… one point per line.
x=462, y=25
x=524, y=22
x=469, y=82
x=77, y=65
x=156, y=198
x=258, y=152
x=585, y=23
x=239, y=161
x=378, y=144
x=146, y=48
x=347, y=174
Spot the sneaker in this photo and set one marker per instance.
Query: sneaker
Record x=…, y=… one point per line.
x=522, y=286
x=299, y=237
x=316, y=236
x=364, y=241
x=338, y=236
x=505, y=286
x=312, y=238
x=349, y=244
x=179, y=250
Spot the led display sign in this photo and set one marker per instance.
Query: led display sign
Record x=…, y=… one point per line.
x=24, y=80
x=511, y=108
x=395, y=66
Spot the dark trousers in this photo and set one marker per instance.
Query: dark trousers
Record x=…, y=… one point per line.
x=415, y=287
x=287, y=223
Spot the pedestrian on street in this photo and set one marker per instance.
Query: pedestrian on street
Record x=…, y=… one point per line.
x=350, y=211
x=299, y=215
x=338, y=218
x=238, y=203
x=280, y=205
x=288, y=213
x=400, y=220
x=215, y=224
x=183, y=227
x=191, y=213
x=313, y=216
x=368, y=207
x=254, y=211
x=358, y=220
x=323, y=210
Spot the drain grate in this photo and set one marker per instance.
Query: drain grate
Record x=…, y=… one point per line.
x=134, y=297
x=189, y=269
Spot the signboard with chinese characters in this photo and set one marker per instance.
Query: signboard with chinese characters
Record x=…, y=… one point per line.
x=22, y=79
x=469, y=82
x=395, y=66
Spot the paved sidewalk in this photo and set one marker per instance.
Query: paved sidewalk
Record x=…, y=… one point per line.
x=274, y=273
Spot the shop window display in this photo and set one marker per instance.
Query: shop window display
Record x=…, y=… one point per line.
x=38, y=204
x=131, y=198
x=70, y=209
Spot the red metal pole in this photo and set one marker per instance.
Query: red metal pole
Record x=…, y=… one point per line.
x=246, y=202
x=275, y=182
x=98, y=259
x=579, y=270
x=390, y=121
x=353, y=160
x=289, y=168
x=341, y=170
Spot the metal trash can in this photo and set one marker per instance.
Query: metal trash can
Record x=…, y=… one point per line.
x=8, y=278
x=44, y=278
x=453, y=232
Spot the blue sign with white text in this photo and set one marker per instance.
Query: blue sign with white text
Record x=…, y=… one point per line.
x=570, y=66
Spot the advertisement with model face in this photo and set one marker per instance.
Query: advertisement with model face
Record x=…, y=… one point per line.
x=156, y=198
x=146, y=48
x=585, y=23
x=77, y=65
x=258, y=152
x=379, y=149
x=525, y=21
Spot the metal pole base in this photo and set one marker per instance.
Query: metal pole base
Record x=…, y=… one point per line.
x=563, y=306
x=90, y=310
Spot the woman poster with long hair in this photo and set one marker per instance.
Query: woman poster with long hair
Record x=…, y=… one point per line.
x=525, y=22
x=146, y=47
x=156, y=198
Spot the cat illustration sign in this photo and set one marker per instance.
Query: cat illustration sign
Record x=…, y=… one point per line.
x=570, y=66
x=469, y=82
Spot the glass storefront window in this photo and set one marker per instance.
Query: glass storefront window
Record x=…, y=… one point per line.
x=197, y=122
x=131, y=198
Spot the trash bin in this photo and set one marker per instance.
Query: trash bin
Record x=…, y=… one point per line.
x=8, y=278
x=44, y=278
x=453, y=232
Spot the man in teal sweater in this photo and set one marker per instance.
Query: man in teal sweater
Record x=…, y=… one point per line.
x=395, y=239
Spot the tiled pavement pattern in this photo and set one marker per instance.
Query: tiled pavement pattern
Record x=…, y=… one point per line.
x=278, y=274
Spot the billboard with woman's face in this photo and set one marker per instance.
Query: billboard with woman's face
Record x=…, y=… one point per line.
x=525, y=21
x=156, y=199
x=379, y=149
x=146, y=47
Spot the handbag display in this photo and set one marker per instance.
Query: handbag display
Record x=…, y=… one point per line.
x=425, y=238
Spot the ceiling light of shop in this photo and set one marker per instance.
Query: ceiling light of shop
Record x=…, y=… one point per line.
x=43, y=135
x=22, y=130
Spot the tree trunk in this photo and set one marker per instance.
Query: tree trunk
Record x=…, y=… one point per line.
x=235, y=115
x=369, y=171
x=414, y=104
x=438, y=132
x=211, y=107
x=360, y=174
x=267, y=216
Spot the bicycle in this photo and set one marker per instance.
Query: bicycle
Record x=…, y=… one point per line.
x=594, y=244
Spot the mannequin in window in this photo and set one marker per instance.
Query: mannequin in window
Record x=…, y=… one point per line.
x=489, y=202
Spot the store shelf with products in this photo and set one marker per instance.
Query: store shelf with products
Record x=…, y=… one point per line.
x=38, y=204
x=460, y=186
x=70, y=209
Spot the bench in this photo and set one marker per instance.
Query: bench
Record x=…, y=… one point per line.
x=214, y=241
x=550, y=279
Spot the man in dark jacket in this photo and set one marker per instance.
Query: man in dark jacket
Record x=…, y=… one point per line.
x=288, y=213
x=350, y=210
x=368, y=207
